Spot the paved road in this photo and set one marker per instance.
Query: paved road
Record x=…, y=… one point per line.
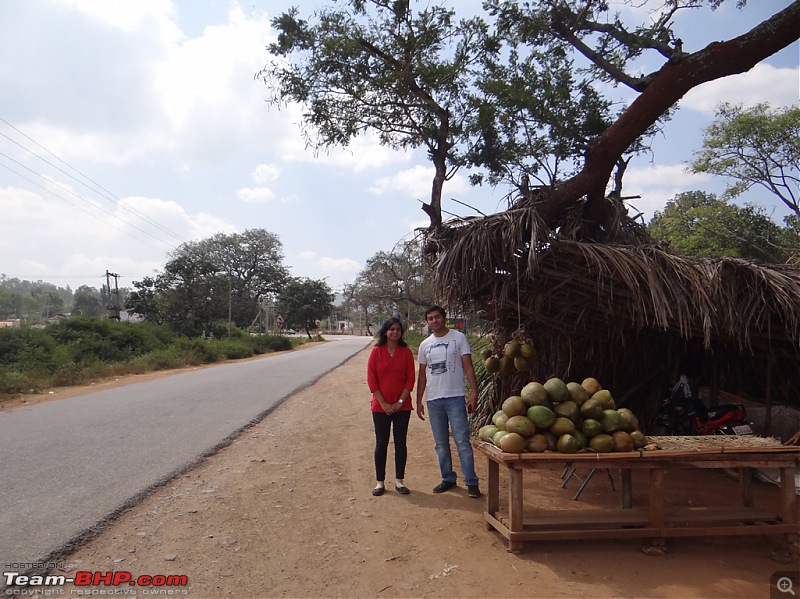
x=68, y=464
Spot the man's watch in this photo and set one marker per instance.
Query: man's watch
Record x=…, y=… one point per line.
x=401, y=401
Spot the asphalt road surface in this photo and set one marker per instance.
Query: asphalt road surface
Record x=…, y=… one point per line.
x=69, y=464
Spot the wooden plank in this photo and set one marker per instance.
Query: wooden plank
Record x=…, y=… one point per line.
x=626, y=497
x=746, y=486
x=673, y=517
x=493, y=490
x=515, y=488
x=788, y=496
x=657, y=497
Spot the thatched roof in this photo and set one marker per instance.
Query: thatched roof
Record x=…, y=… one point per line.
x=630, y=313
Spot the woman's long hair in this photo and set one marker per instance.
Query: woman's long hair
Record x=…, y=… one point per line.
x=385, y=328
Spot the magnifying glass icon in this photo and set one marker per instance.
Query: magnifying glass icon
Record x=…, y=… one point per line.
x=784, y=585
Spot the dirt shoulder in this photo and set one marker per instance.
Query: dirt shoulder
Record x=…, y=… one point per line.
x=286, y=511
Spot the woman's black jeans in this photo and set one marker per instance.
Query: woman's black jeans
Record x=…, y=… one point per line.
x=383, y=424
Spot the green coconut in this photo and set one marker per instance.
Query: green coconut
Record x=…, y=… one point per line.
x=514, y=406
x=534, y=394
x=522, y=425
x=556, y=389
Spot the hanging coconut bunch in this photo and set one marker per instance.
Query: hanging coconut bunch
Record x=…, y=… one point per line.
x=517, y=355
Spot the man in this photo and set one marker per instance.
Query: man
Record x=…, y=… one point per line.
x=444, y=358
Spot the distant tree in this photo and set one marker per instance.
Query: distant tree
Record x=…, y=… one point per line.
x=396, y=282
x=696, y=223
x=10, y=303
x=303, y=301
x=205, y=281
x=754, y=146
x=144, y=300
x=88, y=302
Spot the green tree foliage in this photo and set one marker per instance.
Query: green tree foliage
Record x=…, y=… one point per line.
x=303, y=301
x=700, y=224
x=535, y=113
x=370, y=65
x=408, y=74
x=754, y=146
x=396, y=282
x=205, y=281
x=87, y=301
x=32, y=301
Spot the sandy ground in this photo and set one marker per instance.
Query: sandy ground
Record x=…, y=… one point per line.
x=286, y=511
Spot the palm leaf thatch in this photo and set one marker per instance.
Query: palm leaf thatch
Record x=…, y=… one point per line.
x=627, y=312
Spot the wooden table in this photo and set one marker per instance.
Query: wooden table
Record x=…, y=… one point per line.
x=653, y=520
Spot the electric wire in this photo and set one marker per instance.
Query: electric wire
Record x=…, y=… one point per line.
x=108, y=195
x=82, y=209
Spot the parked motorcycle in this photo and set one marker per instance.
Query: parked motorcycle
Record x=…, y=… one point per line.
x=681, y=412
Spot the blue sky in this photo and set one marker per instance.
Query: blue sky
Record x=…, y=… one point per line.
x=154, y=132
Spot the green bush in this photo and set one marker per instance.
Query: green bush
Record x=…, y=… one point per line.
x=268, y=343
x=79, y=349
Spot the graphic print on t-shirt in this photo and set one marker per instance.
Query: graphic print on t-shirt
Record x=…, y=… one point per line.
x=436, y=356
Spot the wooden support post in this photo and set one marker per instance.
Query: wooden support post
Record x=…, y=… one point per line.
x=746, y=486
x=493, y=490
x=626, y=497
x=515, y=508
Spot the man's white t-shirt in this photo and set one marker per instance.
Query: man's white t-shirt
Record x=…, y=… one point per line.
x=444, y=370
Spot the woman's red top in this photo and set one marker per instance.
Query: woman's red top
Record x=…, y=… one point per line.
x=390, y=375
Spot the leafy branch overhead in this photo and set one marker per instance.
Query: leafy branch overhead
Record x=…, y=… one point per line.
x=515, y=93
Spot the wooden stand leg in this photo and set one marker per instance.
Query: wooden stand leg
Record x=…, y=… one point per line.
x=493, y=491
x=515, y=508
x=789, y=509
x=626, y=496
x=656, y=514
x=746, y=486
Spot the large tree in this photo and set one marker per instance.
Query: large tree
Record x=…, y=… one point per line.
x=302, y=302
x=695, y=223
x=220, y=279
x=375, y=66
x=754, y=146
x=613, y=52
x=396, y=282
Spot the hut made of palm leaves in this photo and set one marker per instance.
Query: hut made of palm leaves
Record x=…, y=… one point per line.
x=629, y=313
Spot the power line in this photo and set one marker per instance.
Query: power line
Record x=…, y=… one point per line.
x=106, y=194
x=50, y=191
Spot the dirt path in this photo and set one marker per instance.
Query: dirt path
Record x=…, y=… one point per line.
x=286, y=511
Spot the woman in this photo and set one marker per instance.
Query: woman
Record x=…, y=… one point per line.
x=390, y=377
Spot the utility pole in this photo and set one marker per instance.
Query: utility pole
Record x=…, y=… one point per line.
x=113, y=306
x=230, y=301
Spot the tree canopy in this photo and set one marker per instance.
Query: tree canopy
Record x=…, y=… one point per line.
x=695, y=223
x=374, y=66
x=212, y=280
x=754, y=146
x=513, y=92
x=302, y=302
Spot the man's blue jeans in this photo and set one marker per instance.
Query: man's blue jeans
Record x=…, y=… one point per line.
x=450, y=414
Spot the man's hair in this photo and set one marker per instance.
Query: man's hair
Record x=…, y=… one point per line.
x=438, y=309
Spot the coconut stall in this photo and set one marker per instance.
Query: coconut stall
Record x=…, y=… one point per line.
x=625, y=316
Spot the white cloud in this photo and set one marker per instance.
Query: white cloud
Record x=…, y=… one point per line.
x=255, y=195
x=417, y=182
x=266, y=173
x=656, y=185
x=364, y=152
x=339, y=264
x=129, y=16
x=763, y=83
x=307, y=255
